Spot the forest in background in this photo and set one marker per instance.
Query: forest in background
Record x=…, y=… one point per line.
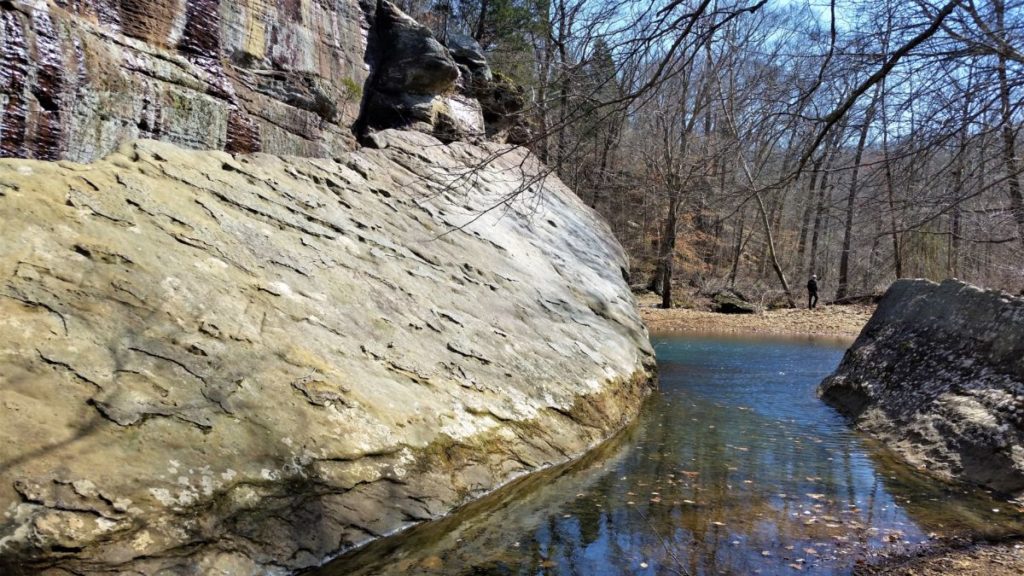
x=751, y=143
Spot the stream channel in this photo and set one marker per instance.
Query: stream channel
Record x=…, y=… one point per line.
x=734, y=467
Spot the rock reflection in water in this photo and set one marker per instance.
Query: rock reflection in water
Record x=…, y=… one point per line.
x=735, y=467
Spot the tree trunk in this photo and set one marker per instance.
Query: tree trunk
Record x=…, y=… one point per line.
x=843, y=289
x=563, y=88
x=819, y=220
x=805, y=220
x=738, y=251
x=897, y=257
x=1009, y=140
x=481, y=22
x=771, y=251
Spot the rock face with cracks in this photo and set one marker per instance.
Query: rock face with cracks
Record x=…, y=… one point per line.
x=938, y=374
x=292, y=77
x=79, y=77
x=217, y=364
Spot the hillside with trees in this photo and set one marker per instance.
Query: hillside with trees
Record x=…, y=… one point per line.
x=749, y=144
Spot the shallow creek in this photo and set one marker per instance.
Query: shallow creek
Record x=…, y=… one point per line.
x=735, y=467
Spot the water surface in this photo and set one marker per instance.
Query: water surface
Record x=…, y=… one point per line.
x=734, y=467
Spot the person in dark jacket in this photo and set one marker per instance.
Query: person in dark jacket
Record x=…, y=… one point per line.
x=812, y=292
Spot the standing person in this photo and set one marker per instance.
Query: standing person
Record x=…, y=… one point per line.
x=812, y=292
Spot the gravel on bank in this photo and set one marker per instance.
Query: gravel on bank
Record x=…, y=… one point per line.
x=833, y=321
x=973, y=560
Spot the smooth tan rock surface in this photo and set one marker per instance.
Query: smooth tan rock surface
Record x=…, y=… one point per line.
x=230, y=365
x=938, y=374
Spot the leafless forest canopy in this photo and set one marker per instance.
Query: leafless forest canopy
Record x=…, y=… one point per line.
x=752, y=143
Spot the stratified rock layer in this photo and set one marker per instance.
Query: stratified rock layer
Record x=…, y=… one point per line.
x=216, y=364
x=78, y=78
x=938, y=373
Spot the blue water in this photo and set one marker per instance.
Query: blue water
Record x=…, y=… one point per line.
x=735, y=467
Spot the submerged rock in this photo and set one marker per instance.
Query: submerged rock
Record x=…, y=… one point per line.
x=938, y=374
x=249, y=364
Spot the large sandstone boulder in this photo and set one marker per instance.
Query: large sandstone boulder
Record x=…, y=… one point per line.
x=938, y=374
x=78, y=78
x=216, y=364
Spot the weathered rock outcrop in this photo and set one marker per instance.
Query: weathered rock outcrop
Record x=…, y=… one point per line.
x=500, y=100
x=447, y=91
x=938, y=373
x=413, y=81
x=80, y=77
x=216, y=364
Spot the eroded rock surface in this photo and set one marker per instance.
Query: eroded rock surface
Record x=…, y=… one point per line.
x=412, y=75
x=80, y=77
x=247, y=364
x=418, y=83
x=938, y=373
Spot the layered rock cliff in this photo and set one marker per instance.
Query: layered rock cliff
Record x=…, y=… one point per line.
x=247, y=364
x=80, y=77
x=938, y=374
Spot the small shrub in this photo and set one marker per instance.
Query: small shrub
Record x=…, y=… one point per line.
x=353, y=89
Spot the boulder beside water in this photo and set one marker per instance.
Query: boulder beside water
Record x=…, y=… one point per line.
x=217, y=364
x=938, y=375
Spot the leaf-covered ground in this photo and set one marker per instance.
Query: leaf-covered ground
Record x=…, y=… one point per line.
x=838, y=321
